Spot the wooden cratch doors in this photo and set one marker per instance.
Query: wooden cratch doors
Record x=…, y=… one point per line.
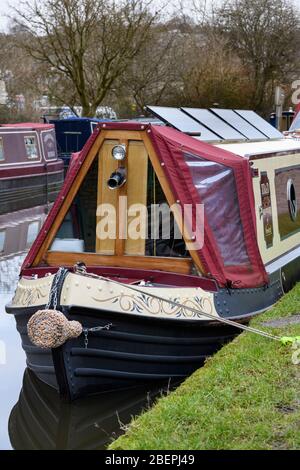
x=121, y=251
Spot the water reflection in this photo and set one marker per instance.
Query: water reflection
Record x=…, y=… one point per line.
x=12, y=356
x=17, y=232
x=40, y=420
x=9, y=272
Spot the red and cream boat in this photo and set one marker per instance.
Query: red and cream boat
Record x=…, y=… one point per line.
x=151, y=308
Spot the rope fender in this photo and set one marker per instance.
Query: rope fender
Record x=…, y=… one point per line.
x=51, y=329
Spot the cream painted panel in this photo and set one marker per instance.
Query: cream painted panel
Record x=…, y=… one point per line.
x=279, y=246
x=101, y=294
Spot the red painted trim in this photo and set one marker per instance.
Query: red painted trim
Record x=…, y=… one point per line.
x=32, y=170
x=128, y=275
x=30, y=125
x=122, y=126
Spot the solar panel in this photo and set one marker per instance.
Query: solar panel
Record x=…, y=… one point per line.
x=214, y=123
x=260, y=124
x=242, y=126
x=183, y=122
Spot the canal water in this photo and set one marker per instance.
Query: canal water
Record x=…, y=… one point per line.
x=12, y=357
x=31, y=414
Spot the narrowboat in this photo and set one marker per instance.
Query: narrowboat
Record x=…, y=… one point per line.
x=160, y=234
x=31, y=174
x=71, y=135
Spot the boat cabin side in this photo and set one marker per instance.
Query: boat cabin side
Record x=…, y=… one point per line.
x=27, y=145
x=275, y=170
x=31, y=174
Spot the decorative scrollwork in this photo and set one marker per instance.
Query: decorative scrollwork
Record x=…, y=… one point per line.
x=27, y=296
x=142, y=303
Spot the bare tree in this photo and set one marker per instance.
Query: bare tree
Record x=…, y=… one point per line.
x=22, y=80
x=212, y=74
x=86, y=44
x=265, y=34
x=151, y=75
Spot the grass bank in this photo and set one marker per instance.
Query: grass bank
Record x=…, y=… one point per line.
x=246, y=397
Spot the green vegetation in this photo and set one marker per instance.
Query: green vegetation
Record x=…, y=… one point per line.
x=245, y=397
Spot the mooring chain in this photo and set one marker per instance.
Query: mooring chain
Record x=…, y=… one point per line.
x=50, y=328
x=53, y=299
x=86, y=332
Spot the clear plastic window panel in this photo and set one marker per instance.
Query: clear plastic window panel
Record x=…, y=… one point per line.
x=216, y=186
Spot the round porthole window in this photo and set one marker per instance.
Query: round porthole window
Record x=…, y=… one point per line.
x=292, y=199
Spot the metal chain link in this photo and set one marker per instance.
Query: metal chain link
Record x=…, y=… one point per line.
x=86, y=332
x=53, y=299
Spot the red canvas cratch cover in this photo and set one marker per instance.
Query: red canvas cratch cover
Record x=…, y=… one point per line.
x=198, y=173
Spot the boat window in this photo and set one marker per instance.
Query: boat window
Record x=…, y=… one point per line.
x=133, y=220
x=31, y=147
x=2, y=158
x=292, y=200
x=216, y=186
x=33, y=230
x=73, y=141
x=77, y=232
x=287, y=188
x=2, y=240
x=163, y=234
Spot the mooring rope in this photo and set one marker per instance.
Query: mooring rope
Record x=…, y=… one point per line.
x=286, y=339
x=50, y=328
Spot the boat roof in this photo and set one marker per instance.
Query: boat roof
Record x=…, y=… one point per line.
x=249, y=149
x=78, y=119
x=29, y=125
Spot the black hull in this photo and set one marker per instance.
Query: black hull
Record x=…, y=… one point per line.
x=139, y=349
x=36, y=190
x=134, y=351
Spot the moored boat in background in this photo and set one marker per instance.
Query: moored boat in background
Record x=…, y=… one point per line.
x=149, y=307
x=72, y=134
x=30, y=172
